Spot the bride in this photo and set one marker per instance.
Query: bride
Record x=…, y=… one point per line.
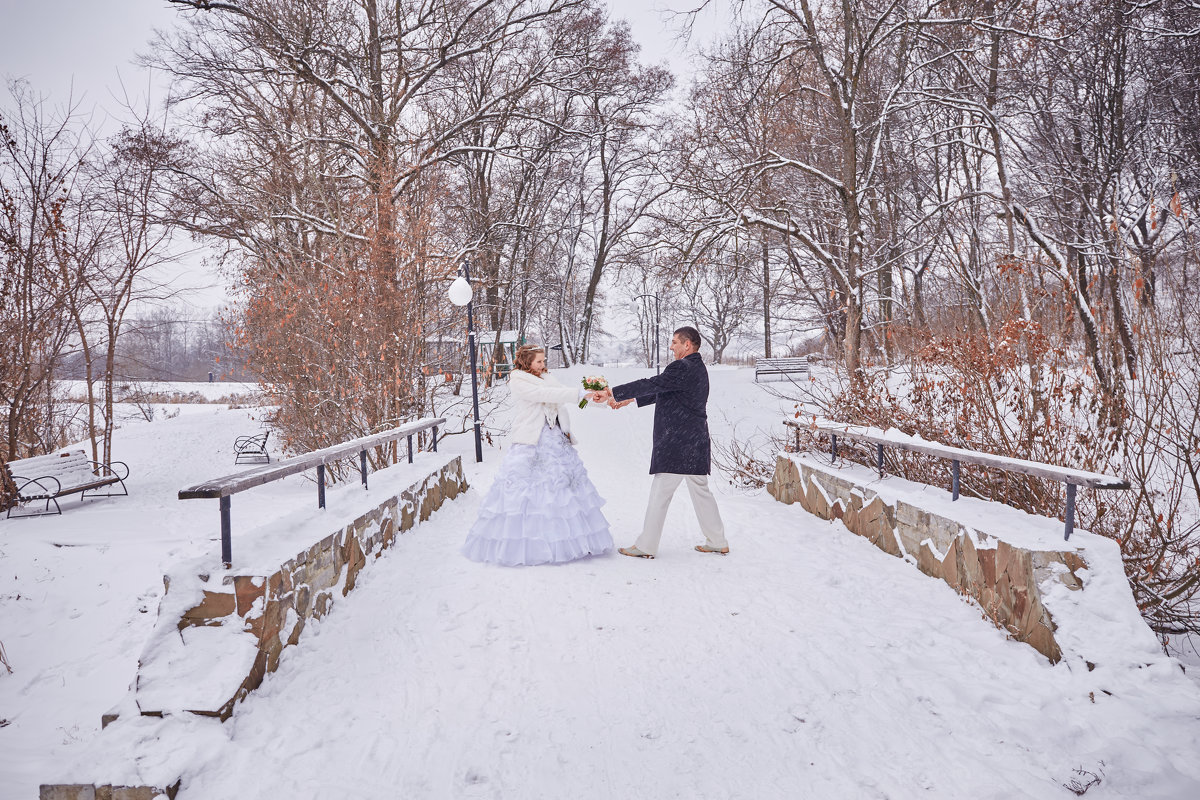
x=542, y=507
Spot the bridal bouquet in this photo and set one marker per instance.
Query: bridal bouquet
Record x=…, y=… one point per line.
x=593, y=383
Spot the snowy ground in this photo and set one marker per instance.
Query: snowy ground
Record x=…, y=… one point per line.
x=804, y=664
x=79, y=593
x=209, y=391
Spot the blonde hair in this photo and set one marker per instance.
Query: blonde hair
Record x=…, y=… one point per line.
x=523, y=360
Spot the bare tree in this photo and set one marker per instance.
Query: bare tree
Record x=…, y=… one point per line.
x=331, y=134
x=717, y=298
x=41, y=153
x=841, y=71
x=620, y=99
x=126, y=269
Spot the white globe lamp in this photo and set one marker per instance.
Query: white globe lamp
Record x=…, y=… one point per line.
x=460, y=291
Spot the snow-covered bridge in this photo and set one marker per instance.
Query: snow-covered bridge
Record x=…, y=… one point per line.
x=805, y=664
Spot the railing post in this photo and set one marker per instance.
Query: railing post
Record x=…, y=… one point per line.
x=410, y=448
x=320, y=485
x=954, y=469
x=1070, y=515
x=362, y=466
x=833, y=447
x=226, y=534
x=433, y=447
x=879, y=459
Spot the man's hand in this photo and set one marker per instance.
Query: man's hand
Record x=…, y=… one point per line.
x=614, y=404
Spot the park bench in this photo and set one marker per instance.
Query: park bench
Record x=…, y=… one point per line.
x=251, y=449
x=784, y=367
x=51, y=477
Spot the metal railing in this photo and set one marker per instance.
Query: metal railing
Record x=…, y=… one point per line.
x=222, y=488
x=958, y=456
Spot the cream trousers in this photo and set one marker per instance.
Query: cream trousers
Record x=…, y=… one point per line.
x=662, y=489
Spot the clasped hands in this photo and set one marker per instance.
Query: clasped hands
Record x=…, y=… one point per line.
x=606, y=396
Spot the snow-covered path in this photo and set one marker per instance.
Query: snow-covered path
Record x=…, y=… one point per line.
x=805, y=664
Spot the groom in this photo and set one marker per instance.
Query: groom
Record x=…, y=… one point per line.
x=681, y=445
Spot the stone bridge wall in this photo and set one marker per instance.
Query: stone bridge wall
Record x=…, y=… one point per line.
x=274, y=608
x=256, y=616
x=1004, y=578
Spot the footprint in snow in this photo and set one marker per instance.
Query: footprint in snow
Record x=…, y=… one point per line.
x=473, y=778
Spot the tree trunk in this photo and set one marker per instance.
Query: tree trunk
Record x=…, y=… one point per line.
x=766, y=298
x=110, y=359
x=598, y=263
x=918, y=299
x=852, y=341
x=89, y=379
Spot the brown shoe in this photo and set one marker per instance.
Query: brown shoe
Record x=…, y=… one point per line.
x=633, y=551
x=703, y=548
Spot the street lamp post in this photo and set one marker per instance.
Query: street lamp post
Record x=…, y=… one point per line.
x=460, y=294
x=646, y=298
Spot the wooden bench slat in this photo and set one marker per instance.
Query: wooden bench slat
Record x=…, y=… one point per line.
x=72, y=470
x=56, y=471
x=72, y=489
x=781, y=366
x=49, y=462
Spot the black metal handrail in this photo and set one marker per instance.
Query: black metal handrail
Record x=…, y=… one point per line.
x=222, y=488
x=958, y=456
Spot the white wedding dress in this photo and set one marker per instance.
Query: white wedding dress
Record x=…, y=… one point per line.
x=542, y=508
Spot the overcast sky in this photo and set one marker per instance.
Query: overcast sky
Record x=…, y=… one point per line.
x=81, y=46
x=85, y=50
x=90, y=44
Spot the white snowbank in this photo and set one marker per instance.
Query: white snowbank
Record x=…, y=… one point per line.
x=209, y=390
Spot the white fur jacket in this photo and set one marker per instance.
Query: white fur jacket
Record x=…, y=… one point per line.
x=538, y=402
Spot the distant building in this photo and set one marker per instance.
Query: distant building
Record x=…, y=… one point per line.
x=448, y=355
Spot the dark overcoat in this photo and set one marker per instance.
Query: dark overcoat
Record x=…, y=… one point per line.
x=680, y=398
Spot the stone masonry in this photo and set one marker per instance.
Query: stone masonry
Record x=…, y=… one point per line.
x=308, y=584
x=1001, y=577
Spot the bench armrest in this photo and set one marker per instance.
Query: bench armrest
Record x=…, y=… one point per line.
x=258, y=440
x=38, y=483
x=110, y=468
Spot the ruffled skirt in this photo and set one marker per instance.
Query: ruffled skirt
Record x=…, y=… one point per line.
x=542, y=508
